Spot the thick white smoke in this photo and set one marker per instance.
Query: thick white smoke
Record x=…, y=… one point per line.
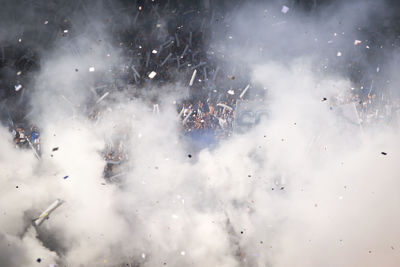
x=303, y=188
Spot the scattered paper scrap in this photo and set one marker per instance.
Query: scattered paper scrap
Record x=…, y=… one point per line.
x=18, y=87
x=152, y=74
x=284, y=9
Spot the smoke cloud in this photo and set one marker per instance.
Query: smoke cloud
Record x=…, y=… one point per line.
x=305, y=187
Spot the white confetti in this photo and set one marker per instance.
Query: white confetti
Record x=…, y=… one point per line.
x=91, y=69
x=152, y=74
x=193, y=77
x=284, y=9
x=18, y=87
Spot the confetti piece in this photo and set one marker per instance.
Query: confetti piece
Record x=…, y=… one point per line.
x=284, y=9
x=152, y=74
x=102, y=97
x=193, y=77
x=18, y=87
x=244, y=91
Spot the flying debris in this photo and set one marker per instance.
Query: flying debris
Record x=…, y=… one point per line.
x=102, y=97
x=224, y=106
x=18, y=87
x=244, y=91
x=152, y=74
x=193, y=77
x=284, y=9
x=45, y=214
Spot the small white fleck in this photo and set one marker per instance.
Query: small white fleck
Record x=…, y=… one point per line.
x=152, y=74
x=17, y=87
